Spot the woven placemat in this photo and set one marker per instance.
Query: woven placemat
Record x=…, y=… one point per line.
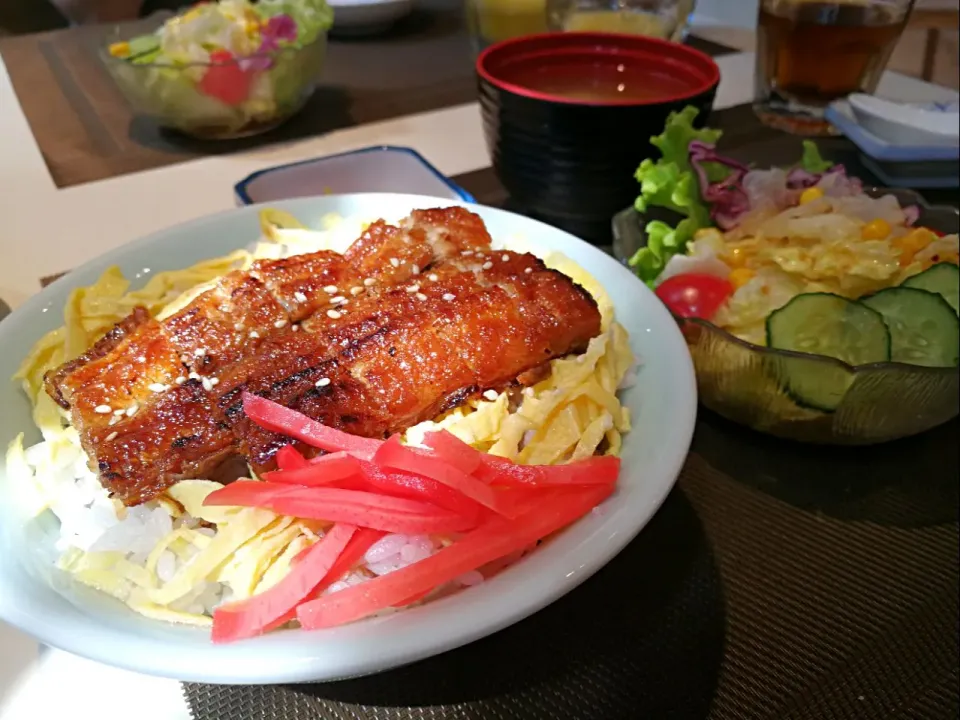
x=777, y=582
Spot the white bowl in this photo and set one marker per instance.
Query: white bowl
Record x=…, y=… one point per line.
x=374, y=169
x=908, y=124
x=366, y=17
x=42, y=601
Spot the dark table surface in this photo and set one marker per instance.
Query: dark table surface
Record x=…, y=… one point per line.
x=779, y=581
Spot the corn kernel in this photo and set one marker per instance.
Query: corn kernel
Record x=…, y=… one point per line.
x=912, y=243
x=810, y=194
x=876, y=230
x=740, y=277
x=736, y=257
x=120, y=49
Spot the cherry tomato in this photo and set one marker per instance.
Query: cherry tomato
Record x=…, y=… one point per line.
x=694, y=294
x=227, y=82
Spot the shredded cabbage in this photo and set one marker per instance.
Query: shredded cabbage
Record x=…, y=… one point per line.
x=817, y=246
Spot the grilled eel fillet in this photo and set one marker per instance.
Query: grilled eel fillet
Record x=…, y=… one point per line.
x=411, y=321
x=140, y=396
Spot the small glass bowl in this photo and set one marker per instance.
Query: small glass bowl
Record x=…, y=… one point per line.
x=170, y=94
x=666, y=19
x=749, y=383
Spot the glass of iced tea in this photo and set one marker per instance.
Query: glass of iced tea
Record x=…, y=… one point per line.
x=811, y=52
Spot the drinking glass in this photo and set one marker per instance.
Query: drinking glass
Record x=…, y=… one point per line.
x=491, y=21
x=812, y=52
x=665, y=19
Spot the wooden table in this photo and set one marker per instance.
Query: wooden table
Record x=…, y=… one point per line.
x=935, y=17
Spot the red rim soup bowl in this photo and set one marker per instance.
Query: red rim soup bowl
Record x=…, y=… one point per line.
x=564, y=138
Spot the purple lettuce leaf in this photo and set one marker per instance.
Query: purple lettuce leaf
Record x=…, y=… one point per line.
x=800, y=179
x=727, y=199
x=279, y=28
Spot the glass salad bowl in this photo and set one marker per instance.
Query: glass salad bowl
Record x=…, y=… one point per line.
x=221, y=95
x=756, y=386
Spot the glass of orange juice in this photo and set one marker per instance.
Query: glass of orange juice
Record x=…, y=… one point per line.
x=491, y=21
x=665, y=19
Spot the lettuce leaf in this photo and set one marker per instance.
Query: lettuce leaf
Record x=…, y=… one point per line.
x=671, y=183
x=678, y=133
x=812, y=161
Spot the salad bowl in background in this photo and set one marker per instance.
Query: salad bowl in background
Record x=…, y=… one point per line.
x=220, y=94
x=748, y=383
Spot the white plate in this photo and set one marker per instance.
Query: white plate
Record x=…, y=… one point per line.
x=39, y=599
x=354, y=17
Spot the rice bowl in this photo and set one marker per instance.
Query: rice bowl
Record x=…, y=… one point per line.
x=670, y=397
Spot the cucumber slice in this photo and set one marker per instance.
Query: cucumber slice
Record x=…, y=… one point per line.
x=143, y=49
x=943, y=279
x=144, y=43
x=924, y=329
x=144, y=58
x=825, y=324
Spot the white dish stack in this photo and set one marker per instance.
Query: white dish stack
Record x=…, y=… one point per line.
x=903, y=144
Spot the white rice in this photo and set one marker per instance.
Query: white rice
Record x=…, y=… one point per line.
x=91, y=522
x=393, y=552
x=166, y=566
x=137, y=534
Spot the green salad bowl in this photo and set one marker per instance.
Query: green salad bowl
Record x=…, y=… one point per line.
x=280, y=83
x=750, y=384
